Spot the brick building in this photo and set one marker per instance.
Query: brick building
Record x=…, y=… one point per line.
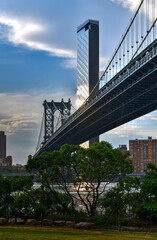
x=142, y=152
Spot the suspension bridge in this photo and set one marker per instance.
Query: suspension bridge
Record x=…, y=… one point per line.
x=127, y=88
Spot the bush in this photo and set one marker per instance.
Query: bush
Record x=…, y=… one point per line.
x=103, y=220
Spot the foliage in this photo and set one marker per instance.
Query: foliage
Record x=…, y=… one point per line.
x=122, y=200
x=6, y=199
x=85, y=168
x=149, y=194
x=19, y=198
x=74, y=169
x=11, y=170
x=133, y=199
x=38, y=203
x=150, y=210
x=103, y=220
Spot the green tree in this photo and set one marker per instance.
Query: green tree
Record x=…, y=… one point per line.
x=86, y=169
x=6, y=198
x=149, y=193
x=122, y=200
x=37, y=203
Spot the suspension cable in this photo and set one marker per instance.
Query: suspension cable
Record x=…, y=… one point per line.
x=110, y=62
x=144, y=38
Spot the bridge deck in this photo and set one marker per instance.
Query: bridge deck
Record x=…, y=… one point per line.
x=129, y=95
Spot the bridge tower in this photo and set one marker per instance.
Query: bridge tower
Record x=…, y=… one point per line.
x=49, y=110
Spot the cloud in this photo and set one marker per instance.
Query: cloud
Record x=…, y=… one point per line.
x=20, y=118
x=133, y=4
x=26, y=32
x=103, y=61
x=139, y=128
x=149, y=117
x=19, y=111
x=125, y=130
x=70, y=63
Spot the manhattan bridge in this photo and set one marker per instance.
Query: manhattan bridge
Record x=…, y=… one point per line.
x=127, y=88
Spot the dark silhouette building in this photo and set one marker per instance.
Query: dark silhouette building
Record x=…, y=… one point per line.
x=2, y=144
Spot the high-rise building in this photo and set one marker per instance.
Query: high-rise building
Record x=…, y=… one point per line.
x=87, y=59
x=87, y=62
x=2, y=144
x=143, y=152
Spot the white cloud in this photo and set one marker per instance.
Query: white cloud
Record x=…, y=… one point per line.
x=26, y=32
x=149, y=117
x=103, y=61
x=70, y=63
x=133, y=4
x=20, y=118
x=125, y=130
x=139, y=128
x=19, y=111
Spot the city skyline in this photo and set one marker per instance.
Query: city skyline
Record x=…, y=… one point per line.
x=38, y=62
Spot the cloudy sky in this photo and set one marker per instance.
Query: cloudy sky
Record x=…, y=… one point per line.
x=38, y=62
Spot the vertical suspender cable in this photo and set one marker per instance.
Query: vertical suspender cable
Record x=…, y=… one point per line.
x=146, y=27
x=153, y=16
x=132, y=37
x=142, y=23
x=147, y=18
x=128, y=47
x=124, y=53
x=137, y=30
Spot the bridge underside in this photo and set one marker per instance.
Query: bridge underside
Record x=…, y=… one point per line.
x=127, y=100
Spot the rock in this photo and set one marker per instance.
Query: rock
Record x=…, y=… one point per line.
x=19, y=221
x=70, y=224
x=3, y=221
x=47, y=222
x=31, y=222
x=85, y=225
x=11, y=221
x=59, y=223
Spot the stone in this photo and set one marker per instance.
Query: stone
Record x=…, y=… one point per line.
x=31, y=222
x=19, y=221
x=70, y=224
x=47, y=222
x=85, y=225
x=3, y=221
x=11, y=221
x=59, y=223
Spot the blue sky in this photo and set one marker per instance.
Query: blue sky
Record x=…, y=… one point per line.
x=38, y=62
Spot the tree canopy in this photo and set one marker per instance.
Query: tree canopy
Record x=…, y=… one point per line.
x=89, y=170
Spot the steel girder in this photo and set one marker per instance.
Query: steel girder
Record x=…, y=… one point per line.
x=129, y=96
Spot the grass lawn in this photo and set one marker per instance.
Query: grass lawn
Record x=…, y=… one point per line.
x=36, y=233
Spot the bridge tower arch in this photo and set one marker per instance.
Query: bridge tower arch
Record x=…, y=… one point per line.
x=49, y=115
